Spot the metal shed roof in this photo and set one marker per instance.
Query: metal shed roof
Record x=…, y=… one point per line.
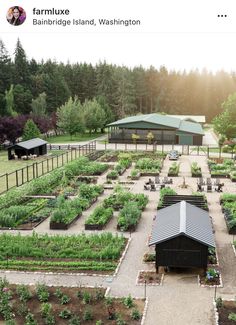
x=159, y=119
x=29, y=144
x=182, y=219
x=194, y=118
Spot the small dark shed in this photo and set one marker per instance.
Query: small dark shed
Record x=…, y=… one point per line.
x=36, y=147
x=182, y=234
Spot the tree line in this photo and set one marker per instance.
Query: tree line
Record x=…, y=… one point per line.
x=37, y=90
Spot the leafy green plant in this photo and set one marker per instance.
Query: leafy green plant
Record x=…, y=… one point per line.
x=42, y=292
x=58, y=293
x=65, y=314
x=64, y=299
x=113, y=174
x=232, y=316
x=29, y=319
x=135, y=314
x=75, y=320
x=87, y=315
x=128, y=301
x=219, y=302
x=23, y=292
x=87, y=297
x=46, y=309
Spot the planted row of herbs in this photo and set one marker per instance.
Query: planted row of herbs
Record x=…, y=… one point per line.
x=32, y=212
x=226, y=169
x=120, y=168
x=42, y=252
x=174, y=169
x=148, y=166
x=49, y=182
x=228, y=203
x=39, y=304
x=133, y=156
x=120, y=197
x=68, y=211
x=99, y=218
x=226, y=311
x=196, y=170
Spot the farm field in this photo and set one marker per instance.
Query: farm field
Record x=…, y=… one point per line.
x=187, y=302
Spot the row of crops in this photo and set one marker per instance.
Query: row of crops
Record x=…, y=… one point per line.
x=61, y=253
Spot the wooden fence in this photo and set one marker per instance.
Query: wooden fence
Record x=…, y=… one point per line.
x=26, y=174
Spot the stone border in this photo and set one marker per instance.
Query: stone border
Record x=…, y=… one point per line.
x=75, y=274
x=210, y=286
x=122, y=257
x=150, y=284
x=216, y=314
x=145, y=312
x=234, y=249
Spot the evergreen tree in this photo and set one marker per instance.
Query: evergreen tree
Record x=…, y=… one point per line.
x=22, y=99
x=30, y=131
x=5, y=76
x=21, y=67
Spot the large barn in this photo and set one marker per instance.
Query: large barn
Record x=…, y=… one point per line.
x=165, y=129
x=182, y=234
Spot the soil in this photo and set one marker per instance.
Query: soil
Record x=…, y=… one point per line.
x=151, y=277
x=227, y=308
x=76, y=305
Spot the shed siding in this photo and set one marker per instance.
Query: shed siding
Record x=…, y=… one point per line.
x=181, y=252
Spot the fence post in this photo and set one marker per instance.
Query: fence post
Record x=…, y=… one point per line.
x=17, y=178
x=52, y=163
x=22, y=176
x=7, y=183
x=198, y=150
x=27, y=173
x=71, y=155
x=57, y=160
x=37, y=173
x=62, y=159
x=67, y=156
x=208, y=152
x=47, y=166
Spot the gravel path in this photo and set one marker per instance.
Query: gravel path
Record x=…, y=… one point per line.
x=179, y=301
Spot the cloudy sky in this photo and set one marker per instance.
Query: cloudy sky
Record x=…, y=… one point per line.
x=180, y=35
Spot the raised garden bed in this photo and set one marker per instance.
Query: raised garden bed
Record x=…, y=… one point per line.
x=149, y=278
x=99, y=218
x=212, y=278
x=62, y=225
x=63, y=305
x=149, y=258
x=226, y=311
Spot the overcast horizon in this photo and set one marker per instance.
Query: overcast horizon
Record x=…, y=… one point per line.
x=177, y=52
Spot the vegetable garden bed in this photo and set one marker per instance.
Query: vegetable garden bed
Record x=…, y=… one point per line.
x=226, y=311
x=62, y=225
x=33, y=305
x=94, y=253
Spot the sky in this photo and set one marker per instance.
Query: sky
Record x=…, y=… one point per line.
x=180, y=35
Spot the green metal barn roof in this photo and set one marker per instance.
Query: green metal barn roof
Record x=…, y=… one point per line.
x=159, y=120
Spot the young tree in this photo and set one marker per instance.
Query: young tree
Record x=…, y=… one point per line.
x=30, y=130
x=39, y=105
x=94, y=115
x=9, y=98
x=70, y=118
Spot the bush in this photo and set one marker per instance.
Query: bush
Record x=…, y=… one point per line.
x=42, y=292
x=23, y=292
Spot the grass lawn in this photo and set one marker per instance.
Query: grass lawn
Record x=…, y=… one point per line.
x=65, y=138
x=10, y=166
